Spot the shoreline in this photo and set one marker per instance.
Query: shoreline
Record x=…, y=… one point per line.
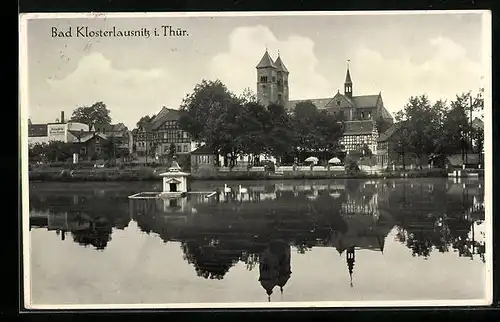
x=119, y=176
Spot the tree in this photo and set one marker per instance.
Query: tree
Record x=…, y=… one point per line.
x=91, y=115
x=144, y=120
x=456, y=126
x=422, y=125
x=382, y=124
x=171, y=151
x=212, y=114
x=52, y=151
x=279, y=133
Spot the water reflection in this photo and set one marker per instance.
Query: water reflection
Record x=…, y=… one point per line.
x=262, y=226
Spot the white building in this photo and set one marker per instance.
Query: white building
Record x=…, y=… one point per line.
x=58, y=131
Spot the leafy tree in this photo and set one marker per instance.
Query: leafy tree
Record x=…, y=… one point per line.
x=421, y=124
x=305, y=116
x=382, y=124
x=279, y=139
x=145, y=120
x=98, y=113
x=52, y=151
x=171, y=151
x=214, y=115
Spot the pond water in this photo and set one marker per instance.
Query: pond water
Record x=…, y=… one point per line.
x=278, y=241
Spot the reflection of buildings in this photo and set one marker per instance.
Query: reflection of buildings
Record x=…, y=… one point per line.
x=89, y=215
x=261, y=227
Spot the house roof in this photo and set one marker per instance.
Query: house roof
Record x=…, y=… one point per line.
x=166, y=114
x=477, y=123
x=203, y=150
x=390, y=132
x=37, y=130
x=80, y=134
x=101, y=127
x=91, y=135
x=279, y=65
x=266, y=61
x=359, y=127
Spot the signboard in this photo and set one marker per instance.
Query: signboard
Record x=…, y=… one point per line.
x=57, y=130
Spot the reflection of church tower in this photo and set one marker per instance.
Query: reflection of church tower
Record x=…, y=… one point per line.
x=274, y=267
x=350, y=259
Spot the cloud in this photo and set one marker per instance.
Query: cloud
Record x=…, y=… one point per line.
x=448, y=71
x=236, y=67
x=128, y=93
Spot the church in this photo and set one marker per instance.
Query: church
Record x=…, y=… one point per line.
x=360, y=112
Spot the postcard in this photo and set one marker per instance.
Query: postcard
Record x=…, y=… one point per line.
x=256, y=159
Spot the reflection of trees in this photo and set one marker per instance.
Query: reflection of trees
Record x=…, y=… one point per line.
x=98, y=235
x=89, y=215
x=211, y=260
x=430, y=218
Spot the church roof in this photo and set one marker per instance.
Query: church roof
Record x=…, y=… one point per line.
x=266, y=61
x=319, y=102
x=360, y=101
x=364, y=101
x=279, y=65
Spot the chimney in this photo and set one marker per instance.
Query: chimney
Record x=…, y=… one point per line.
x=62, y=116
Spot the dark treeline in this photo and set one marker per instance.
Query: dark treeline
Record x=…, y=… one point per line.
x=232, y=125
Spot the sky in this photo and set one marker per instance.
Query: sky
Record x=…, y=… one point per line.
x=399, y=55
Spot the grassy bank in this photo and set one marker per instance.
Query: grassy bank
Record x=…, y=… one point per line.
x=150, y=174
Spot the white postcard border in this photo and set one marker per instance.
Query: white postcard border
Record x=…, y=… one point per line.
x=488, y=147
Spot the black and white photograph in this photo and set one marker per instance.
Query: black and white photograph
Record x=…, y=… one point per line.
x=256, y=159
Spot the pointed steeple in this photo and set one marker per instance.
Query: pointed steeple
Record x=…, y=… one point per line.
x=348, y=77
x=266, y=61
x=381, y=243
x=350, y=258
x=348, y=82
x=279, y=64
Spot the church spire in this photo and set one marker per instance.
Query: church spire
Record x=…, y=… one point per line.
x=266, y=61
x=280, y=66
x=348, y=82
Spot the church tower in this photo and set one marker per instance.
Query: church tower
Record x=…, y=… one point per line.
x=348, y=83
x=282, y=83
x=267, y=83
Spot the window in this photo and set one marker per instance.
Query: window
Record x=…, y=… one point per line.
x=263, y=79
x=186, y=147
x=274, y=79
x=179, y=148
x=98, y=150
x=97, y=139
x=203, y=159
x=279, y=97
x=185, y=135
x=179, y=134
x=165, y=149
